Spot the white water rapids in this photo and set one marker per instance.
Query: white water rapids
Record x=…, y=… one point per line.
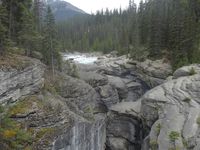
x=80, y=58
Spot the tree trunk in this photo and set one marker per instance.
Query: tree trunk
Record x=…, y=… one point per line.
x=52, y=58
x=10, y=21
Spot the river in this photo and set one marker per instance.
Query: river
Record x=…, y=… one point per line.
x=81, y=58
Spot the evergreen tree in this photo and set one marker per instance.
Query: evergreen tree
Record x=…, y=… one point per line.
x=50, y=45
x=3, y=29
x=28, y=38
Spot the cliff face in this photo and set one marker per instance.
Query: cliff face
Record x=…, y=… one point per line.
x=172, y=111
x=107, y=107
x=15, y=83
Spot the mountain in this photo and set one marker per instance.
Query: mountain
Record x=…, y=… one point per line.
x=63, y=10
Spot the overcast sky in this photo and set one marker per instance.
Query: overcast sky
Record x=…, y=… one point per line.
x=94, y=5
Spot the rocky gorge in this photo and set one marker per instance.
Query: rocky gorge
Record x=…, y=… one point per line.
x=111, y=103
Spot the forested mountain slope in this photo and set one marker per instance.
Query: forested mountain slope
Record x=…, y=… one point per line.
x=135, y=101
x=157, y=28
x=63, y=10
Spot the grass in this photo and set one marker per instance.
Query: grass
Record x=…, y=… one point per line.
x=14, y=61
x=12, y=135
x=22, y=106
x=51, y=83
x=42, y=132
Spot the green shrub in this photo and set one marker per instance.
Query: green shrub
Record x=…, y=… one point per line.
x=12, y=136
x=71, y=69
x=74, y=71
x=187, y=100
x=1, y=109
x=173, y=136
x=44, y=131
x=154, y=145
x=192, y=71
x=158, y=128
x=185, y=143
x=22, y=106
x=139, y=53
x=198, y=121
x=88, y=109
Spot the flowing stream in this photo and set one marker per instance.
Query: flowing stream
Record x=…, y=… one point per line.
x=80, y=58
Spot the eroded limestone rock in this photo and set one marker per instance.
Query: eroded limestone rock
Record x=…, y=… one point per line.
x=15, y=83
x=175, y=104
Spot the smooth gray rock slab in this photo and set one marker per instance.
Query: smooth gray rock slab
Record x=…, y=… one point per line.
x=94, y=79
x=15, y=84
x=176, y=104
x=109, y=95
x=78, y=92
x=187, y=71
x=119, y=84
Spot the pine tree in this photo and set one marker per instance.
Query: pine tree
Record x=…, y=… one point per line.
x=50, y=52
x=3, y=29
x=28, y=38
x=38, y=11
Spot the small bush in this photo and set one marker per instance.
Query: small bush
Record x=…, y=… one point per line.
x=192, y=72
x=198, y=121
x=139, y=53
x=44, y=131
x=158, y=128
x=12, y=136
x=1, y=109
x=14, y=61
x=154, y=145
x=185, y=143
x=173, y=136
x=88, y=109
x=9, y=133
x=50, y=87
x=71, y=69
x=187, y=100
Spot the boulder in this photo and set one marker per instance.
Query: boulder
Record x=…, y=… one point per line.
x=153, y=73
x=117, y=143
x=187, y=71
x=109, y=95
x=113, y=65
x=123, y=128
x=119, y=84
x=172, y=111
x=135, y=91
x=128, y=108
x=78, y=92
x=94, y=79
x=156, y=69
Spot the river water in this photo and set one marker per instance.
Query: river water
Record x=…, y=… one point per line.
x=80, y=58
